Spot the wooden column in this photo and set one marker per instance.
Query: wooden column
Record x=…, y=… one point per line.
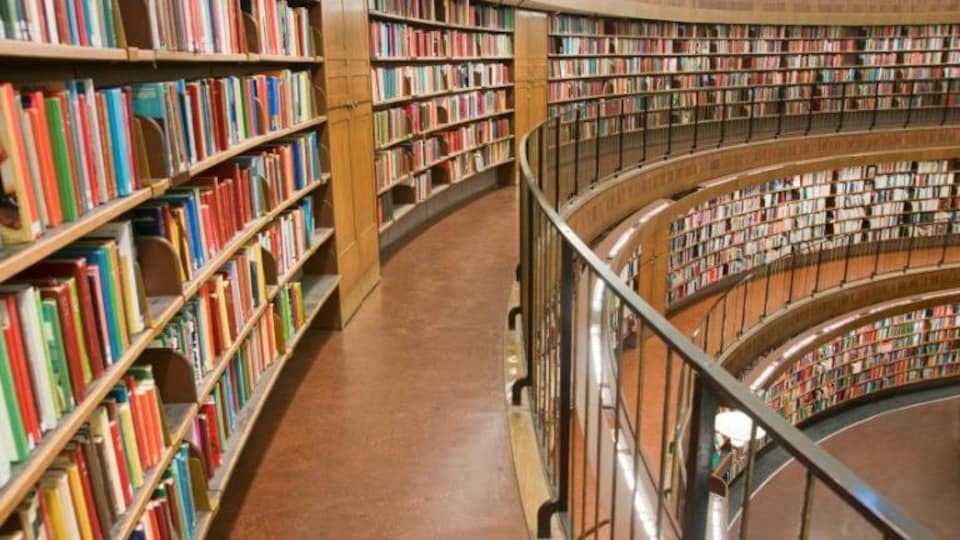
x=529, y=75
x=347, y=70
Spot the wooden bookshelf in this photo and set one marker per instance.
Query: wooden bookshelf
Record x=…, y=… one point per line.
x=316, y=267
x=748, y=228
x=402, y=182
x=891, y=345
x=595, y=59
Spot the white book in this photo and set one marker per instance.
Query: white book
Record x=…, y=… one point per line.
x=28, y=307
x=95, y=137
x=152, y=21
x=96, y=26
x=122, y=233
x=78, y=148
x=7, y=449
x=33, y=22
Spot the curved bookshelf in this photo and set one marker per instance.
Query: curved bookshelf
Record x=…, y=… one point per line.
x=416, y=166
x=309, y=268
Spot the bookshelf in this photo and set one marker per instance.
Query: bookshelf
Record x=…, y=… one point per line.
x=214, y=207
x=750, y=227
x=442, y=78
x=668, y=68
x=909, y=347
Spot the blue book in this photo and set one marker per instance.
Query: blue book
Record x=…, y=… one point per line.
x=194, y=231
x=111, y=297
x=315, y=154
x=298, y=173
x=72, y=20
x=118, y=134
x=273, y=103
x=88, y=22
x=109, y=32
x=205, y=102
x=184, y=108
x=188, y=487
x=148, y=220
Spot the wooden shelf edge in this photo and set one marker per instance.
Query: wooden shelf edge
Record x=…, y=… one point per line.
x=13, y=48
x=383, y=15
x=450, y=92
x=18, y=257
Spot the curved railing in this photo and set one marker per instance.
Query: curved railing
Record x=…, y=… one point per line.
x=624, y=449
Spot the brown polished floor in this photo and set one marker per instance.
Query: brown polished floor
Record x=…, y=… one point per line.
x=911, y=456
x=395, y=428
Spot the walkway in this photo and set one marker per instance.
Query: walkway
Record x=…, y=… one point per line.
x=395, y=428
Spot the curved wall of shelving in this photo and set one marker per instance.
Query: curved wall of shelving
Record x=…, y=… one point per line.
x=760, y=11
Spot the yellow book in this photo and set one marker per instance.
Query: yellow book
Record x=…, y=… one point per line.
x=221, y=291
x=129, y=436
x=76, y=496
x=261, y=277
x=56, y=495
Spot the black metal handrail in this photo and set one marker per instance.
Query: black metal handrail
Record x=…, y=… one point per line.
x=576, y=405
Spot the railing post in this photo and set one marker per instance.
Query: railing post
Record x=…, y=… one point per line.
x=793, y=271
x=913, y=238
x=559, y=504
x=876, y=104
x=696, y=120
x=810, y=102
x=556, y=167
x=843, y=105
x=753, y=99
x=723, y=324
x=576, y=152
x=516, y=391
x=846, y=260
x=946, y=102
x=542, y=157
x=816, y=282
x=646, y=123
x=596, y=149
x=620, y=142
x=743, y=311
x=780, y=106
x=943, y=248
x=697, y=497
x=723, y=117
x=766, y=294
x=669, y=130
x=876, y=257
x=913, y=85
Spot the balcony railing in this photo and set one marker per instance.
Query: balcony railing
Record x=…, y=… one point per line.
x=625, y=423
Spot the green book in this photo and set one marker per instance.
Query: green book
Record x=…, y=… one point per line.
x=13, y=405
x=69, y=198
x=78, y=323
x=63, y=393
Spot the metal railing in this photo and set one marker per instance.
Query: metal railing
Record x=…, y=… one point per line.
x=626, y=432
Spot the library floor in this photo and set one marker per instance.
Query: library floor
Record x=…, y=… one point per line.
x=395, y=428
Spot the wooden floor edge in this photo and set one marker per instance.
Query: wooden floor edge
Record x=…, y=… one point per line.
x=531, y=479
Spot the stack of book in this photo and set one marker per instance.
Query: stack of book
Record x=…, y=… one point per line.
x=171, y=513
x=85, y=23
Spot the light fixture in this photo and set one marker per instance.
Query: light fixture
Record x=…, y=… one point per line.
x=736, y=426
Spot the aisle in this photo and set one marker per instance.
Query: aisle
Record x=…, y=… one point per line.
x=395, y=428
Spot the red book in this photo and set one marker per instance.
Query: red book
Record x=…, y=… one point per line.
x=81, y=22
x=219, y=125
x=13, y=335
x=154, y=520
x=59, y=292
x=77, y=269
x=206, y=443
x=33, y=105
x=8, y=100
x=210, y=407
x=139, y=423
x=150, y=408
x=45, y=513
x=87, y=149
x=163, y=519
x=100, y=313
x=118, y=451
x=76, y=454
x=209, y=227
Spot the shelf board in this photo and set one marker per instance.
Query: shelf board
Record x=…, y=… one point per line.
x=179, y=418
x=449, y=92
x=18, y=257
x=421, y=59
x=382, y=15
x=25, y=475
x=12, y=48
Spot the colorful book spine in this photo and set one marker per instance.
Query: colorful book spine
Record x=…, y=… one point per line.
x=172, y=512
x=84, y=23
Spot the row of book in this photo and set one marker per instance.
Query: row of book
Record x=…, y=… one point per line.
x=736, y=231
x=402, y=40
x=578, y=24
x=391, y=83
x=68, y=149
x=896, y=350
x=290, y=236
x=398, y=124
x=201, y=26
x=201, y=118
x=93, y=480
x=201, y=218
x=172, y=513
x=458, y=12
x=85, y=23
x=65, y=322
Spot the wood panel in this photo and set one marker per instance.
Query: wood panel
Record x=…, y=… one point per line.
x=530, y=74
x=763, y=11
x=351, y=149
